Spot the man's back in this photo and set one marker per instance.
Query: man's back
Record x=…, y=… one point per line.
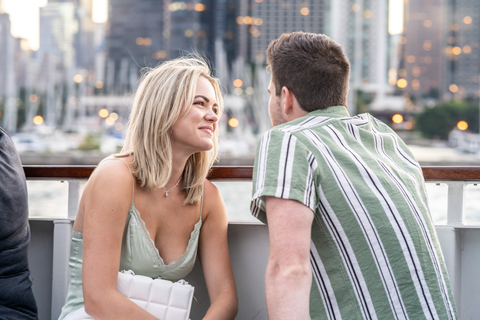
x=16, y=296
x=374, y=251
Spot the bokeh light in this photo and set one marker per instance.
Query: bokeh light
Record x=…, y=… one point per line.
x=233, y=122
x=402, y=83
x=78, y=78
x=238, y=83
x=462, y=125
x=103, y=113
x=38, y=120
x=109, y=121
x=397, y=118
x=453, y=88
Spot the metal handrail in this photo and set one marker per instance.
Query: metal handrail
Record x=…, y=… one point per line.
x=225, y=173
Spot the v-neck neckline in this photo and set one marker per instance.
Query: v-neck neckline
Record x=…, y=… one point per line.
x=153, y=247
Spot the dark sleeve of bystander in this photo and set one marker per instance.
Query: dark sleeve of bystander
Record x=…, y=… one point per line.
x=16, y=295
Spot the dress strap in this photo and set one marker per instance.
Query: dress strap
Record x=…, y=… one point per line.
x=133, y=181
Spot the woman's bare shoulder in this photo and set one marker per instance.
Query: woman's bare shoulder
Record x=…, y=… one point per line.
x=212, y=199
x=111, y=175
x=110, y=186
x=211, y=190
x=111, y=164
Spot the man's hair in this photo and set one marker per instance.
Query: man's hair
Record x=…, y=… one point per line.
x=165, y=94
x=312, y=66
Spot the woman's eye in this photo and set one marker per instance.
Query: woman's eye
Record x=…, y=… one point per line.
x=201, y=103
x=216, y=111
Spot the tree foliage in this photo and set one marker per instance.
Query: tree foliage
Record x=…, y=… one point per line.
x=438, y=121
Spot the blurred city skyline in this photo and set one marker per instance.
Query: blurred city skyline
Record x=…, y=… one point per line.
x=406, y=57
x=24, y=16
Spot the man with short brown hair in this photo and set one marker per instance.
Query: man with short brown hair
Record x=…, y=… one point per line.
x=351, y=236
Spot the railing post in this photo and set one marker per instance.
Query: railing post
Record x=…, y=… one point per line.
x=456, y=199
x=450, y=241
x=73, y=198
x=62, y=233
x=450, y=237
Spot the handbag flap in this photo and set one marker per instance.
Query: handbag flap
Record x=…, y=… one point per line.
x=162, y=298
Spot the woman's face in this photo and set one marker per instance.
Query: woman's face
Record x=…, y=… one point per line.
x=194, y=132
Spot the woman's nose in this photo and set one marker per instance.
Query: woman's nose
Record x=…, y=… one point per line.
x=211, y=116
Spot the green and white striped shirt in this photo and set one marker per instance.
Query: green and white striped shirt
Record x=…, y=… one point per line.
x=374, y=251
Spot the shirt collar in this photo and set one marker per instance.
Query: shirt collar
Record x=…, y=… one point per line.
x=332, y=112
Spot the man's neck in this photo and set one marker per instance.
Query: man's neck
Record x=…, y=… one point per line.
x=296, y=112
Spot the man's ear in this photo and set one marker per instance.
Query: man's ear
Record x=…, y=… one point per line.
x=288, y=100
x=290, y=106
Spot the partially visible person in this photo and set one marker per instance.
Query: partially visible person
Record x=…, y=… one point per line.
x=351, y=236
x=16, y=295
x=150, y=209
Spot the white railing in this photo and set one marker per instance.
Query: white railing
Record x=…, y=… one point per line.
x=248, y=244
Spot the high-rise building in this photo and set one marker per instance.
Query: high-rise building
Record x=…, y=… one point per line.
x=441, y=58
x=58, y=27
x=267, y=20
x=84, y=38
x=225, y=29
x=190, y=27
x=83, y=29
x=462, y=49
x=142, y=34
x=195, y=26
x=135, y=39
x=5, y=53
x=424, y=44
x=8, y=90
x=361, y=28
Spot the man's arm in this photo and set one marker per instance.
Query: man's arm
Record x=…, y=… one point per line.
x=289, y=277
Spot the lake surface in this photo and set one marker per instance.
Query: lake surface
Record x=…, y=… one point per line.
x=50, y=199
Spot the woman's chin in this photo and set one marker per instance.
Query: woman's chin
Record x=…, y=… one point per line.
x=204, y=147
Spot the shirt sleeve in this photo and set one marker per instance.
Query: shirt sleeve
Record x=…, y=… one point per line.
x=284, y=168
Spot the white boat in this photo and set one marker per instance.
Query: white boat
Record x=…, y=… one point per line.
x=29, y=142
x=248, y=243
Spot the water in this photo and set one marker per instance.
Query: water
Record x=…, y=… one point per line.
x=438, y=202
x=49, y=199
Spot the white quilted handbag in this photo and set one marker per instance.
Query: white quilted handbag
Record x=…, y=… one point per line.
x=164, y=299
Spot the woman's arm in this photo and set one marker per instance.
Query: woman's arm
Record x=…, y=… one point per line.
x=105, y=204
x=215, y=257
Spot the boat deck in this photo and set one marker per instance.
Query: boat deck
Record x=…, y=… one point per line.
x=248, y=243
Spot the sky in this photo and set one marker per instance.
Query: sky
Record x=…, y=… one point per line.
x=25, y=22
x=395, y=17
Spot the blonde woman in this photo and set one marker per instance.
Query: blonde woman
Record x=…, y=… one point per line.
x=150, y=208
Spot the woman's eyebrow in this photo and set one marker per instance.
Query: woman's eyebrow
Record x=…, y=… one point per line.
x=203, y=97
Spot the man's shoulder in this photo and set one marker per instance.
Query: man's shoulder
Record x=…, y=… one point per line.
x=284, y=133
x=275, y=132
x=297, y=126
x=377, y=123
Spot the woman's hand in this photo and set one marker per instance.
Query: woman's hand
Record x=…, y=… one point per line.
x=215, y=258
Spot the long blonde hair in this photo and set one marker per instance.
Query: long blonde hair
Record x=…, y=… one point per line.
x=165, y=94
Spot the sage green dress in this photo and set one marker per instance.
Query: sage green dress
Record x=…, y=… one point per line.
x=138, y=254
